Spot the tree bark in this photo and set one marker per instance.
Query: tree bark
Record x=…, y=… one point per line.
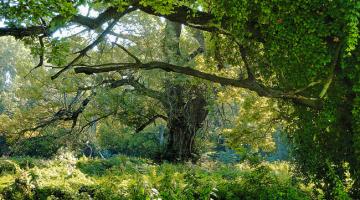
x=185, y=119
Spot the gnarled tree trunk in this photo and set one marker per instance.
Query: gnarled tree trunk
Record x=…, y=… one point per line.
x=186, y=114
x=185, y=103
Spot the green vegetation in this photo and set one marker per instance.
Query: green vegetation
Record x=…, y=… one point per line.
x=124, y=177
x=205, y=99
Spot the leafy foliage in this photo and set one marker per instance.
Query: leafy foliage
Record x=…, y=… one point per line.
x=305, y=54
x=123, y=178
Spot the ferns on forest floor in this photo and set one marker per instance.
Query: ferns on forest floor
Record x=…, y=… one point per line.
x=121, y=177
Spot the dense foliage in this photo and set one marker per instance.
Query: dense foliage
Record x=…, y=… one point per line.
x=99, y=75
x=130, y=178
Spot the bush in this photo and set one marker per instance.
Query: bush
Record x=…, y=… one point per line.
x=44, y=146
x=261, y=182
x=123, y=141
x=53, y=193
x=20, y=189
x=27, y=162
x=4, y=147
x=8, y=167
x=94, y=167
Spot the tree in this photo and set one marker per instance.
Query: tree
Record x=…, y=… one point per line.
x=185, y=107
x=304, y=53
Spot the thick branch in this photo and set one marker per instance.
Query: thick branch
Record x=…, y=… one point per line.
x=40, y=125
x=20, y=32
x=252, y=85
x=181, y=14
x=94, y=23
x=184, y=15
x=246, y=62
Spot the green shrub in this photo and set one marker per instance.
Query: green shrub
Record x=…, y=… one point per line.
x=53, y=193
x=8, y=167
x=21, y=189
x=95, y=167
x=44, y=146
x=122, y=140
x=260, y=183
x=4, y=146
x=27, y=162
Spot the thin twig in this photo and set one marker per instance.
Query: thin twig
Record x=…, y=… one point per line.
x=137, y=60
x=83, y=52
x=96, y=120
x=41, y=56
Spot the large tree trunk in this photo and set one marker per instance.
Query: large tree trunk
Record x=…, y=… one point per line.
x=186, y=104
x=180, y=145
x=186, y=114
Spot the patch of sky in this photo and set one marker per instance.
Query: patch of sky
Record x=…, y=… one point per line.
x=124, y=29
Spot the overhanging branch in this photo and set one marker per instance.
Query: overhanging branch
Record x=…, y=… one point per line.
x=250, y=84
x=20, y=32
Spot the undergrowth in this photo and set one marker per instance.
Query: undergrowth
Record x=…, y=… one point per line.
x=121, y=177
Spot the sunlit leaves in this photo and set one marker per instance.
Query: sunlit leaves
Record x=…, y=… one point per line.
x=352, y=17
x=254, y=125
x=31, y=11
x=162, y=7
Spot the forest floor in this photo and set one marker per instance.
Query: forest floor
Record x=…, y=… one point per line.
x=122, y=177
